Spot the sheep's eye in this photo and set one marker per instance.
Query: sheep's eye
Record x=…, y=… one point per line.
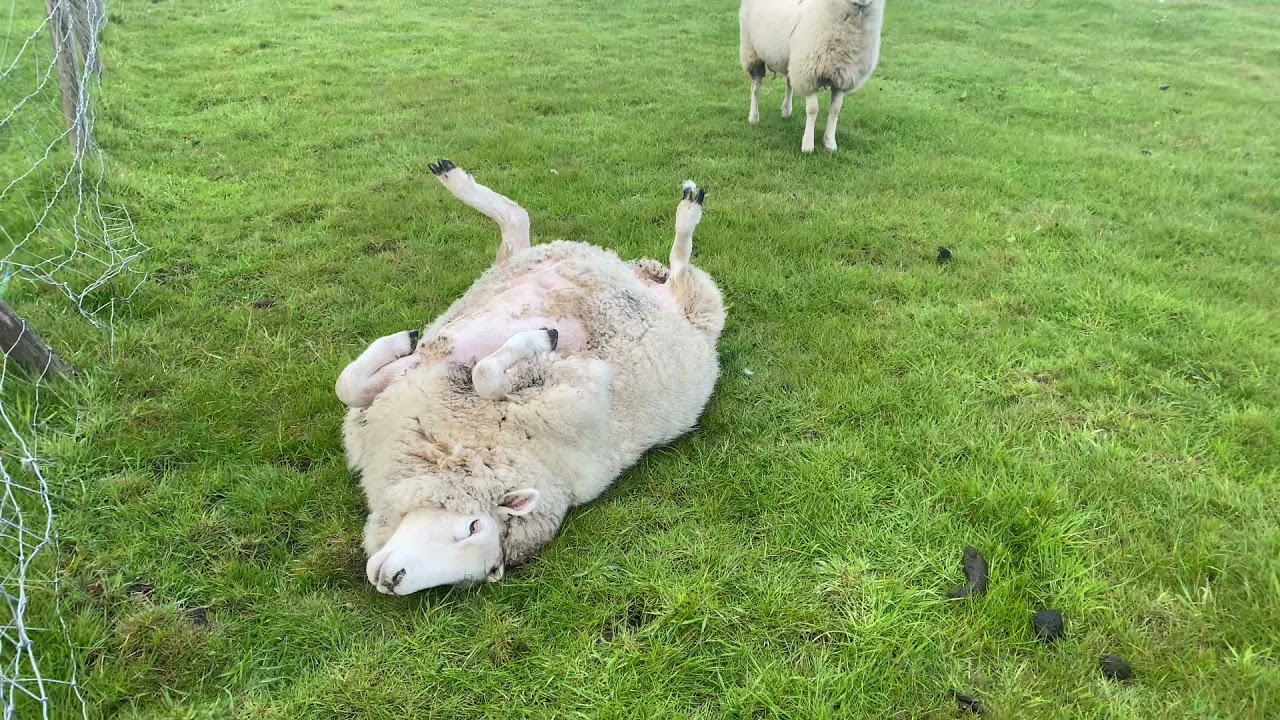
x=475, y=526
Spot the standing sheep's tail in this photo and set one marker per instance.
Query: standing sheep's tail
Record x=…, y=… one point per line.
x=695, y=293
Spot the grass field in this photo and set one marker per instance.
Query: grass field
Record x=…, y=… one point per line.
x=1089, y=392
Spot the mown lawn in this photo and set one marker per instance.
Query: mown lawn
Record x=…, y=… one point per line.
x=1089, y=392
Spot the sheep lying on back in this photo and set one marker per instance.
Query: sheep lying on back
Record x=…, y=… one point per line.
x=557, y=369
x=815, y=44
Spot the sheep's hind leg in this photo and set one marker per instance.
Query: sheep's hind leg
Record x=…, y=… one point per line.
x=786, y=101
x=688, y=215
x=753, y=116
x=511, y=218
x=810, y=122
x=489, y=375
x=362, y=380
x=833, y=117
x=693, y=291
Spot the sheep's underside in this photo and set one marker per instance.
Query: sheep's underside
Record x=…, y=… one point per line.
x=545, y=287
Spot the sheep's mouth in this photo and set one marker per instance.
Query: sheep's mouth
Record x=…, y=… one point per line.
x=472, y=581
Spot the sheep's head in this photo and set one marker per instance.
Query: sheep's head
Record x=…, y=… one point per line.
x=434, y=546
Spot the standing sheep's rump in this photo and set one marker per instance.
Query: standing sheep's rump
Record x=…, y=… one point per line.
x=815, y=44
x=550, y=376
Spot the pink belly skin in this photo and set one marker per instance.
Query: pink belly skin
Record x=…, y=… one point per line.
x=520, y=308
x=474, y=338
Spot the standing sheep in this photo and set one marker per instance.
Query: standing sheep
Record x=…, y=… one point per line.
x=815, y=44
x=550, y=376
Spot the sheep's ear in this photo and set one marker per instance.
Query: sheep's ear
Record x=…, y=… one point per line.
x=519, y=502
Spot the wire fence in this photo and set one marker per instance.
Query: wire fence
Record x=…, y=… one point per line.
x=59, y=232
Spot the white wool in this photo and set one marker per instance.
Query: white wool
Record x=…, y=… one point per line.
x=437, y=442
x=816, y=44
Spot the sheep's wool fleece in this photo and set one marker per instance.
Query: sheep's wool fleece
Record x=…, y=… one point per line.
x=580, y=418
x=815, y=43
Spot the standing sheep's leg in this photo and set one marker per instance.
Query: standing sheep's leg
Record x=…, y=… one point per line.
x=786, y=101
x=753, y=116
x=489, y=374
x=362, y=380
x=810, y=122
x=511, y=218
x=833, y=117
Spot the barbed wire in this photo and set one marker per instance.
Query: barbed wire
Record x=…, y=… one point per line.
x=57, y=230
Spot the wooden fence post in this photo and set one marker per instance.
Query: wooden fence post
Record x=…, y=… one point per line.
x=66, y=56
x=20, y=343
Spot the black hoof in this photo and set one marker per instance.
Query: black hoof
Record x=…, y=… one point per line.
x=442, y=167
x=413, y=340
x=553, y=335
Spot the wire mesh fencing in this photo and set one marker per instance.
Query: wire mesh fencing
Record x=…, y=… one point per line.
x=58, y=232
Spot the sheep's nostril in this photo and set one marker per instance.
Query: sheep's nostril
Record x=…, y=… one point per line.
x=395, y=579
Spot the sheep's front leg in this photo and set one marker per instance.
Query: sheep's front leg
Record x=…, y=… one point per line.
x=378, y=529
x=512, y=219
x=810, y=122
x=833, y=117
x=786, y=101
x=753, y=116
x=489, y=375
x=369, y=374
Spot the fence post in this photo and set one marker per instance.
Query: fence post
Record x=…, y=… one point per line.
x=20, y=343
x=65, y=40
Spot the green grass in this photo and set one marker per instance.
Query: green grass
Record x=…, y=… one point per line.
x=1090, y=392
